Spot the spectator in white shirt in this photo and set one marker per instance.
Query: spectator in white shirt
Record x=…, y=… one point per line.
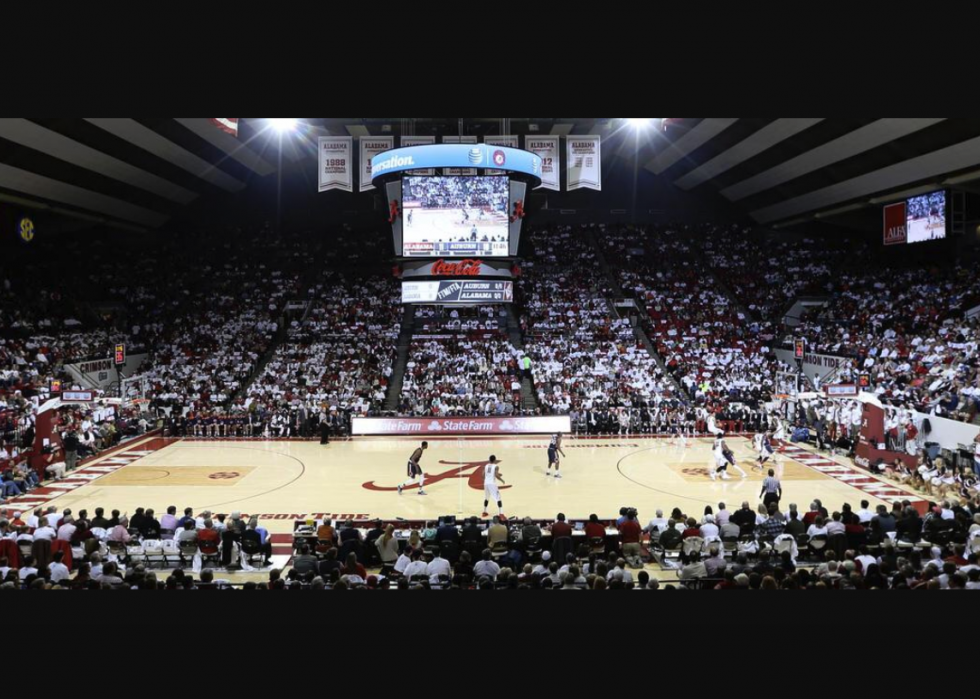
x=27, y=568
x=58, y=570
x=53, y=518
x=620, y=572
x=835, y=526
x=438, y=566
x=417, y=566
x=67, y=530
x=818, y=528
x=864, y=514
x=486, y=567
x=404, y=560
x=658, y=523
x=542, y=567
x=45, y=533
x=709, y=530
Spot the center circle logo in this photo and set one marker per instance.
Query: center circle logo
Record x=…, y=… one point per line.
x=499, y=159
x=224, y=476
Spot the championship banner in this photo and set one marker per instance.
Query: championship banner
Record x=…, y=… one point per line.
x=896, y=223
x=457, y=172
x=584, y=163
x=370, y=147
x=454, y=427
x=506, y=142
x=546, y=147
x=336, y=163
x=228, y=125
x=408, y=141
x=458, y=291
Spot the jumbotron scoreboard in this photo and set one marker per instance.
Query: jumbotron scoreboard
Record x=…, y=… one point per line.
x=456, y=213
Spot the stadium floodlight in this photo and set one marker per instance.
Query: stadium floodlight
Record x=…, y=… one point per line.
x=638, y=123
x=283, y=125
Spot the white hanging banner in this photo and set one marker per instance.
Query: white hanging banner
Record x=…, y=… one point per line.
x=464, y=172
x=507, y=142
x=419, y=141
x=547, y=148
x=370, y=147
x=584, y=163
x=336, y=163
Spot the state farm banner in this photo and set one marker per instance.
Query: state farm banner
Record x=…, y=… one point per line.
x=336, y=163
x=477, y=155
x=547, y=148
x=507, y=142
x=408, y=141
x=453, y=427
x=896, y=224
x=370, y=147
x=584, y=162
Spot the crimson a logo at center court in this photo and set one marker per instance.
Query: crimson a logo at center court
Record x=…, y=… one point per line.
x=471, y=470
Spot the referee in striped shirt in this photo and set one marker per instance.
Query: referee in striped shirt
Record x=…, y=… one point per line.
x=772, y=490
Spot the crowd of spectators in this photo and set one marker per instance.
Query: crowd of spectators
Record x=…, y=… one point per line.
x=462, y=377
x=719, y=355
x=586, y=359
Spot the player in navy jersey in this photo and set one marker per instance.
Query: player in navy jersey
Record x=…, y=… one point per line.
x=415, y=469
x=554, y=449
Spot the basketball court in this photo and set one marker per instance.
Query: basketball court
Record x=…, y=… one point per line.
x=286, y=481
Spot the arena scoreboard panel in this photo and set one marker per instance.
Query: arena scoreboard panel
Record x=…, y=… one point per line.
x=458, y=291
x=461, y=206
x=436, y=209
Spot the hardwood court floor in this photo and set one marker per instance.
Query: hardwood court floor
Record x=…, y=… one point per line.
x=286, y=481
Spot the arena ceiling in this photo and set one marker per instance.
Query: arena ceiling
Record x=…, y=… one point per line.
x=137, y=173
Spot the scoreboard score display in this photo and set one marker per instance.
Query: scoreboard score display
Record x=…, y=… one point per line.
x=120, y=355
x=458, y=291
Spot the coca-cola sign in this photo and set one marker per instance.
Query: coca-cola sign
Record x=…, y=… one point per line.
x=463, y=268
x=467, y=268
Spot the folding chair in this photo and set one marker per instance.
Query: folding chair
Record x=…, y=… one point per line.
x=153, y=554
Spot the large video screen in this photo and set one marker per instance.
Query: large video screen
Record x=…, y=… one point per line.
x=456, y=216
x=926, y=217
x=458, y=291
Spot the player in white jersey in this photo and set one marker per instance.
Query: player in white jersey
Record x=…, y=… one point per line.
x=779, y=433
x=491, y=474
x=724, y=457
x=415, y=470
x=713, y=428
x=976, y=455
x=763, y=445
x=554, y=449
